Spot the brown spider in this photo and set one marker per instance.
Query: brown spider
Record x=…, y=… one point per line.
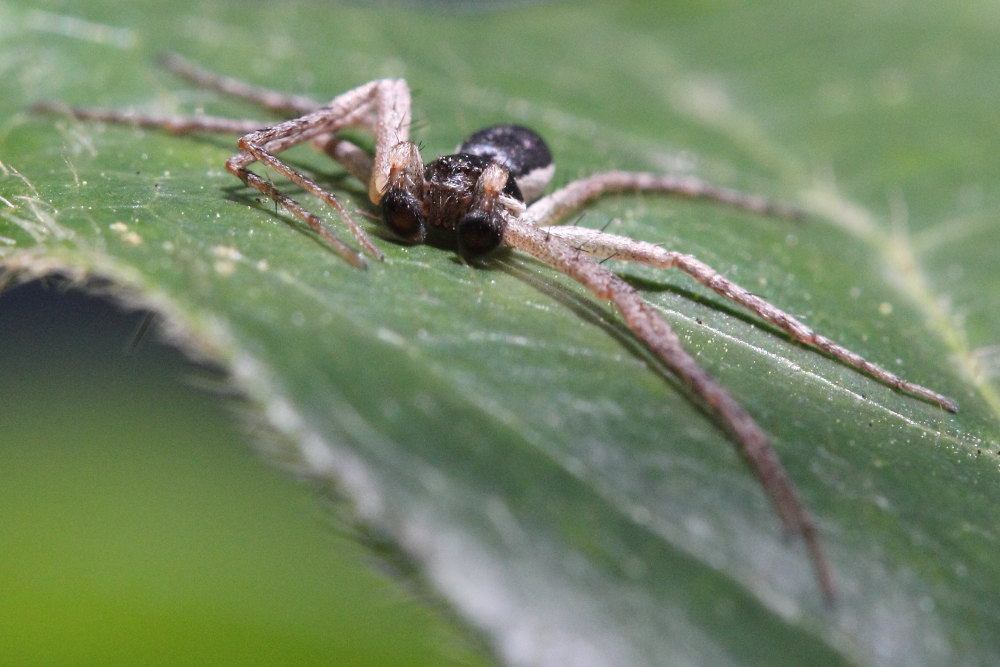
x=479, y=199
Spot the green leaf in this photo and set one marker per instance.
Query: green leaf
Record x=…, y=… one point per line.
x=498, y=426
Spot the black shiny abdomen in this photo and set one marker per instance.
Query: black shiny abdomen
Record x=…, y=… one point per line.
x=519, y=149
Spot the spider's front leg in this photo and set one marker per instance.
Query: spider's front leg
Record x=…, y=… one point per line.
x=382, y=107
x=352, y=108
x=395, y=180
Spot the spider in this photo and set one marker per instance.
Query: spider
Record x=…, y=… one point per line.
x=487, y=195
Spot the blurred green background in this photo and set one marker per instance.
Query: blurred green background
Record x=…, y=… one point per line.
x=137, y=526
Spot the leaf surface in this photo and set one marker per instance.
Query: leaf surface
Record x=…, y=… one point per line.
x=496, y=424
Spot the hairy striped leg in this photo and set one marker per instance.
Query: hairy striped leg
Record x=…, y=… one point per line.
x=382, y=107
x=353, y=158
x=549, y=210
x=173, y=124
x=393, y=152
x=280, y=103
x=348, y=109
x=660, y=339
x=268, y=99
x=357, y=162
x=610, y=246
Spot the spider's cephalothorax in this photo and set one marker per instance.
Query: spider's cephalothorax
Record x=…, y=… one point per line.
x=462, y=200
x=480, y=198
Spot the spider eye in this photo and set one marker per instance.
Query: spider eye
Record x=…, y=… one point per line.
x=479, y=232
x=403, y=214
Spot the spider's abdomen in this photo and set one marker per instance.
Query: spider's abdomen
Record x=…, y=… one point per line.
x=520, y=150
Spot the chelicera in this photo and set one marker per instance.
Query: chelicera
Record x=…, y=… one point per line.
x=487, y=195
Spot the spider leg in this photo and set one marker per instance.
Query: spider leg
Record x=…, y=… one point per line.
x=550, y=209
x=392, y=128
x=381, y=107
x=350, y=156
x=611, y=246
x=390, y=100
x=289, y=105
x=170, y=123
x=343, y=151
x=269, y=99
x=354, y=159
x=660, y=339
